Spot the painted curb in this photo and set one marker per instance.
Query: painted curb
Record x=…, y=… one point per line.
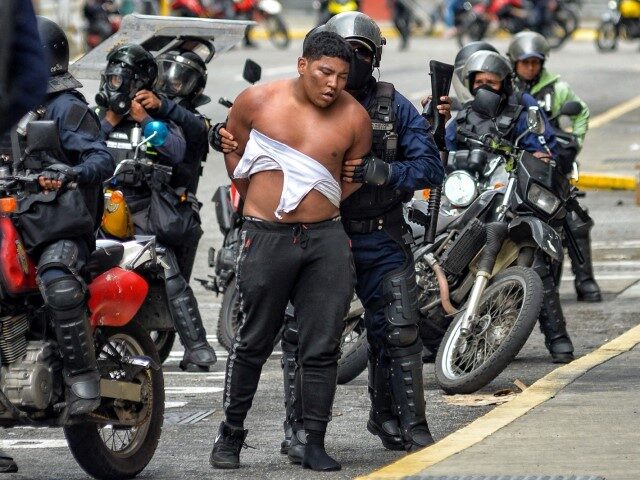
x=604, y=181
x=541, y=391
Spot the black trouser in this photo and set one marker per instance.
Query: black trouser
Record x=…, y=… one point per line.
x=311, y=266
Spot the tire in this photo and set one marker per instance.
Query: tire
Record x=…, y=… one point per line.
x=559, y=30
x=505, y=286
x=472, y=28
x=228, y=318
x=163, y=340
x=88, y=442
x=607, y=36
x=354, y=356
x=278, y=32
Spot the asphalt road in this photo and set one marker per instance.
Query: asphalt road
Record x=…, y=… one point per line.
x=194, y=407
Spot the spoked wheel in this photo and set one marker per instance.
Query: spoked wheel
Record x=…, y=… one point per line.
x=607, y=36
x=354, y=347
x=507, y=313
x=557, y=31
x=163, y=340
x=277, y=31
x=119, y=439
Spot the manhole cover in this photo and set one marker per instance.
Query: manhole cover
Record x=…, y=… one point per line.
x=506, y=477
x=186, y=418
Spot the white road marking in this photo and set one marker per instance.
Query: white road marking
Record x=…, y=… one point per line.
x=174, y=404
x=33, y=443
x=191, y=390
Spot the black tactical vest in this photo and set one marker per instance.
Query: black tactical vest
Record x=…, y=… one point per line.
x=471, y=120
x=371, y=201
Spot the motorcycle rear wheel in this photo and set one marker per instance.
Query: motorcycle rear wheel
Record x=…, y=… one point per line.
x=163, y=340
x=108, y=452
x=507, y=313
x=607, y=36
x=277, y=32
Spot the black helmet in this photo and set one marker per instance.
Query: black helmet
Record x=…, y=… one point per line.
x=488, y=62
x=358, y=26
x=56, y=47
x=465, y=52
x=181, y=74
x=138, y=60
x=528, y=45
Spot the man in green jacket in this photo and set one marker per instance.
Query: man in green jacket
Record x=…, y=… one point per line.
x=528, y=52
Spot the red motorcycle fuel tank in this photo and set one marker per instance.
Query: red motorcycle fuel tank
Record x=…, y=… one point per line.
x=16, y=268
x=115, y=297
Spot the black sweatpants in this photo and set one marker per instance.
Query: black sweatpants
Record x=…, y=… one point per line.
x=311, y=266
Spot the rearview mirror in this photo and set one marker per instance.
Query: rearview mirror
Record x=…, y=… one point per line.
x=252, y=71
x=535, y=122
x=156, y=133
x=42, y=135
x=571, y=108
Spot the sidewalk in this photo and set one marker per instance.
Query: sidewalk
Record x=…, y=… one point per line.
x=580, y=422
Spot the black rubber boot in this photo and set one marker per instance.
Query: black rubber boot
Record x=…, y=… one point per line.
x=408, y=396
x=315, y=456
x=586, y=286
x=226, y=449
x=553, y=325
x=298, y=446
x=382, y=421
x=7, y=464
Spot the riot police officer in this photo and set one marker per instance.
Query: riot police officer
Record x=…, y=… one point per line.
x=182, y=77
x=462, y=92
x=489, y=71
x=528, y=52
x=131, y=69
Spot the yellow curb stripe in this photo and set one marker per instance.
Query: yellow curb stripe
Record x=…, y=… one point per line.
x=613, y=182
x=541, y=391
x=615, y=112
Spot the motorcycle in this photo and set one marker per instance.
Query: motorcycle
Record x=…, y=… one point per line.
x=478, y=270
x=119, y=438
x=620, y=21
x=330, y=8
x=511, y=15
x=103, y=20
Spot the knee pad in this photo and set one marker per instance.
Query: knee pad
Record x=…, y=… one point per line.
x=175, y=286
x=400, y=292
x=290, y=331
x=402, y=336
x=63, y=293
x=580, y=227
x=62, y=255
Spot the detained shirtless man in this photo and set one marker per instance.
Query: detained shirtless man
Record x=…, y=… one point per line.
x=293, y=136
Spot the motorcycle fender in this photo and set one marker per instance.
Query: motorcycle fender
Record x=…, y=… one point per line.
x=270, y=7
x=115, y=297
x=534, y=232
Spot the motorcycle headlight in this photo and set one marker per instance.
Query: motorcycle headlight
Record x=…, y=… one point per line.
x=613, y=5
x=543, y=199
x=460, y=188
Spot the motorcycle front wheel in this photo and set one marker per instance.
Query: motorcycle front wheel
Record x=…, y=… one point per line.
x=109, y=451
x=507, y=313
x=354, y=345
x=607, y=36
x=277, y=31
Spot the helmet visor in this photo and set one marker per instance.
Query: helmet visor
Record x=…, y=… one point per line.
x=176, y=79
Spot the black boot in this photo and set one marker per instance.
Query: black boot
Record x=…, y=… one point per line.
x=553, y=325
x=315, y=456
x=382, y=421
x=226, y=449
x=586, y=286
x=7, y=464
x=298, y=446
x=408, y=396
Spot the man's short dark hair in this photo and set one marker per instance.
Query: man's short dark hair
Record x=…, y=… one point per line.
x=326, y=44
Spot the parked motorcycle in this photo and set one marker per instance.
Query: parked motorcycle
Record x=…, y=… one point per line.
x=103, y=20
x=620, y=21
x=325, y=9
x=119, y=438
x=479, y=269
x=510, y=15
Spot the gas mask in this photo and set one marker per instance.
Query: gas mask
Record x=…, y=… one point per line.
x=486, y=101
x=118, y=86
x=360, y=70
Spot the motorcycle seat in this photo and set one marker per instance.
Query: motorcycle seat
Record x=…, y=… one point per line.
x=108, y=254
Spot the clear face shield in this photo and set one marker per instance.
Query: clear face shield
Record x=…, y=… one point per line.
x=177, y=77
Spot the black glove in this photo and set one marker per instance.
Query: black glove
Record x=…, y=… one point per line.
x=215, y=139
x=372, y=171
x=59, y=171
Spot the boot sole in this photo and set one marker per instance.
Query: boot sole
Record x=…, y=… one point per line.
x=225, y=465
x=397, y=447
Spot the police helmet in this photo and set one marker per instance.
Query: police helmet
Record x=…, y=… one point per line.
x=358, y=26
x=56, y=48
x=528, y=45
x=181, y=74
x=488, y=62
x=141, y=63
x=469, y=49
x=313, y=31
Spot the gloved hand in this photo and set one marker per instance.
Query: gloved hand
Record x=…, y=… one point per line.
x=57, y=176
x=372, y=171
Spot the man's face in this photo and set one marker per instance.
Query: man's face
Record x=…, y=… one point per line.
x=323, y=79
x=490, y=79
x=529, y=68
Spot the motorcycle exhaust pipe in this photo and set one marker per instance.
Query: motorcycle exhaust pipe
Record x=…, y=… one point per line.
x=443, y=285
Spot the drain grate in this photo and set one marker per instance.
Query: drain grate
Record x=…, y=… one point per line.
x=506, y=477
x=186, y=418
